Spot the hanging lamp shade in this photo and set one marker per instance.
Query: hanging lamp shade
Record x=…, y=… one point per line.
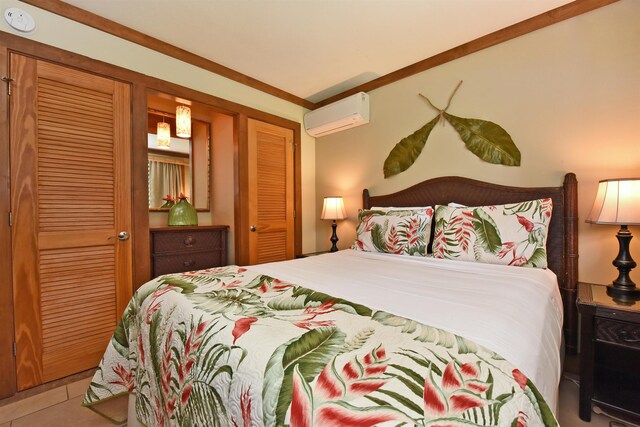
x=164, y=134
x=183, y=121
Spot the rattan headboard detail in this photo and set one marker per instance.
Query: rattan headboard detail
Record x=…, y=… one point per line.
x=562, y=241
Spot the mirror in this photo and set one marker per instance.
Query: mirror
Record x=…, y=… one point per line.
x=183, y=167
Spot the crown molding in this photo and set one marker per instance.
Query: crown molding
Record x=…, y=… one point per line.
x=106, y=25
x=537, y=22
x=521, y=28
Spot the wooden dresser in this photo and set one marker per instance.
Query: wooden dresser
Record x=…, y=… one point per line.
x=180, y=249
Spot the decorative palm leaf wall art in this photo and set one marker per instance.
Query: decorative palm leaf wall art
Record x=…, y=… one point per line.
x=485, y=139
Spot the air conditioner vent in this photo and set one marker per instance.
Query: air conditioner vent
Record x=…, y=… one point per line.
x=343, y=114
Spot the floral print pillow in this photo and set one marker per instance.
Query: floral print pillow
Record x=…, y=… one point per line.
x=402, y=231
x=513, y=234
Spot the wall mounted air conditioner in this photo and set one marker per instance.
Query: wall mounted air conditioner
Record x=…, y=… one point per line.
x=343, y=114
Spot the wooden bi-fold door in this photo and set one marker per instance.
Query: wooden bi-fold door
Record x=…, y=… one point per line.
x=271, y=192
x=71, y=215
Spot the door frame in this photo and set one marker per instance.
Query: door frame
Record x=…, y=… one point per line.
x=7, y=338
x=140, y=85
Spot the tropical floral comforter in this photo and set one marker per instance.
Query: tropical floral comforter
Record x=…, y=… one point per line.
x=228, y=347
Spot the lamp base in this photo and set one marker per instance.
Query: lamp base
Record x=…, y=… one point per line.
x=623, y=287
x=334, y=237
x=621, y=293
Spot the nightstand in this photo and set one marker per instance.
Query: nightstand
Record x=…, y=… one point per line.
x=609, y=353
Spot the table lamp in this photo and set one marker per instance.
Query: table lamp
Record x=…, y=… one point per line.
x=333, y=209
x=618, y=203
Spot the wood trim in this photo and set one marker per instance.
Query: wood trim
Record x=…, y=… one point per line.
x=172, y=154
x=7, y=361
x=140, y=187
x=537, y=22
x=241, y=183
x=70, y=59
x=99, y=23
x=545, y=19
x=124, y=210
x=297, y=189
x=24, y=237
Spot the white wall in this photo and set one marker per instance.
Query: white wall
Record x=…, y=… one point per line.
x=569, y=95
x=72, y=36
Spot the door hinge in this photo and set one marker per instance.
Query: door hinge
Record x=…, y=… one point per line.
x=15, y=349
x=10, y=220
x=8, y=81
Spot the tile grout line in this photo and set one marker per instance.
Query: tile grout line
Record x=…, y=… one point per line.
x=67, y=398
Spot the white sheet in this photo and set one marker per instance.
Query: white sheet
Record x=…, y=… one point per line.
x=514, y=311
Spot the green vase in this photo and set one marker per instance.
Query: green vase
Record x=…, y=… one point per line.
x=183, y=213
x=167, y=204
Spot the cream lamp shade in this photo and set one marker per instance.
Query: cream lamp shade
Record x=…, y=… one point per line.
x=333, y=208
x=618, y=203
x=164, y=134
x=183, y=121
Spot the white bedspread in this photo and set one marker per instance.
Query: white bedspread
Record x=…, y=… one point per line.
x=514, y=311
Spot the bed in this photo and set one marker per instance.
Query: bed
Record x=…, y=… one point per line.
x=356, y=337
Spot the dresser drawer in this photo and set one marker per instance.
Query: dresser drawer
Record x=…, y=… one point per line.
x=616, y=332
x=167, y=264
x=187, y=240
x=177, y=249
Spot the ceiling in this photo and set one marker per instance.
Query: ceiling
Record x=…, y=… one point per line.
x=314, y=49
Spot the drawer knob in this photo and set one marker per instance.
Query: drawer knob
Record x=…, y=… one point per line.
x=189, y=241
x=624, y=336
x=189, y=263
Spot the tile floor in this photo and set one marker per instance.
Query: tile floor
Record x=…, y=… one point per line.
x=60, y=407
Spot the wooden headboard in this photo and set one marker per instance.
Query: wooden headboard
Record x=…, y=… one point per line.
x=562, y=241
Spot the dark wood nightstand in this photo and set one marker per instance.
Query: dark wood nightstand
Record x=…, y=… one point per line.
x=609, y=353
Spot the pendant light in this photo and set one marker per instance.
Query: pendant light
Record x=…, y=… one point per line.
x=183, y=121
x=164, y=134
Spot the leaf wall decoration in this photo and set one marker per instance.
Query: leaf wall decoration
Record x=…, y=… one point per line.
x=405, y=153
x=485, y=139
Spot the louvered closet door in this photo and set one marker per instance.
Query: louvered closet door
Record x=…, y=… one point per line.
x=70, y=197
x=271, y=199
